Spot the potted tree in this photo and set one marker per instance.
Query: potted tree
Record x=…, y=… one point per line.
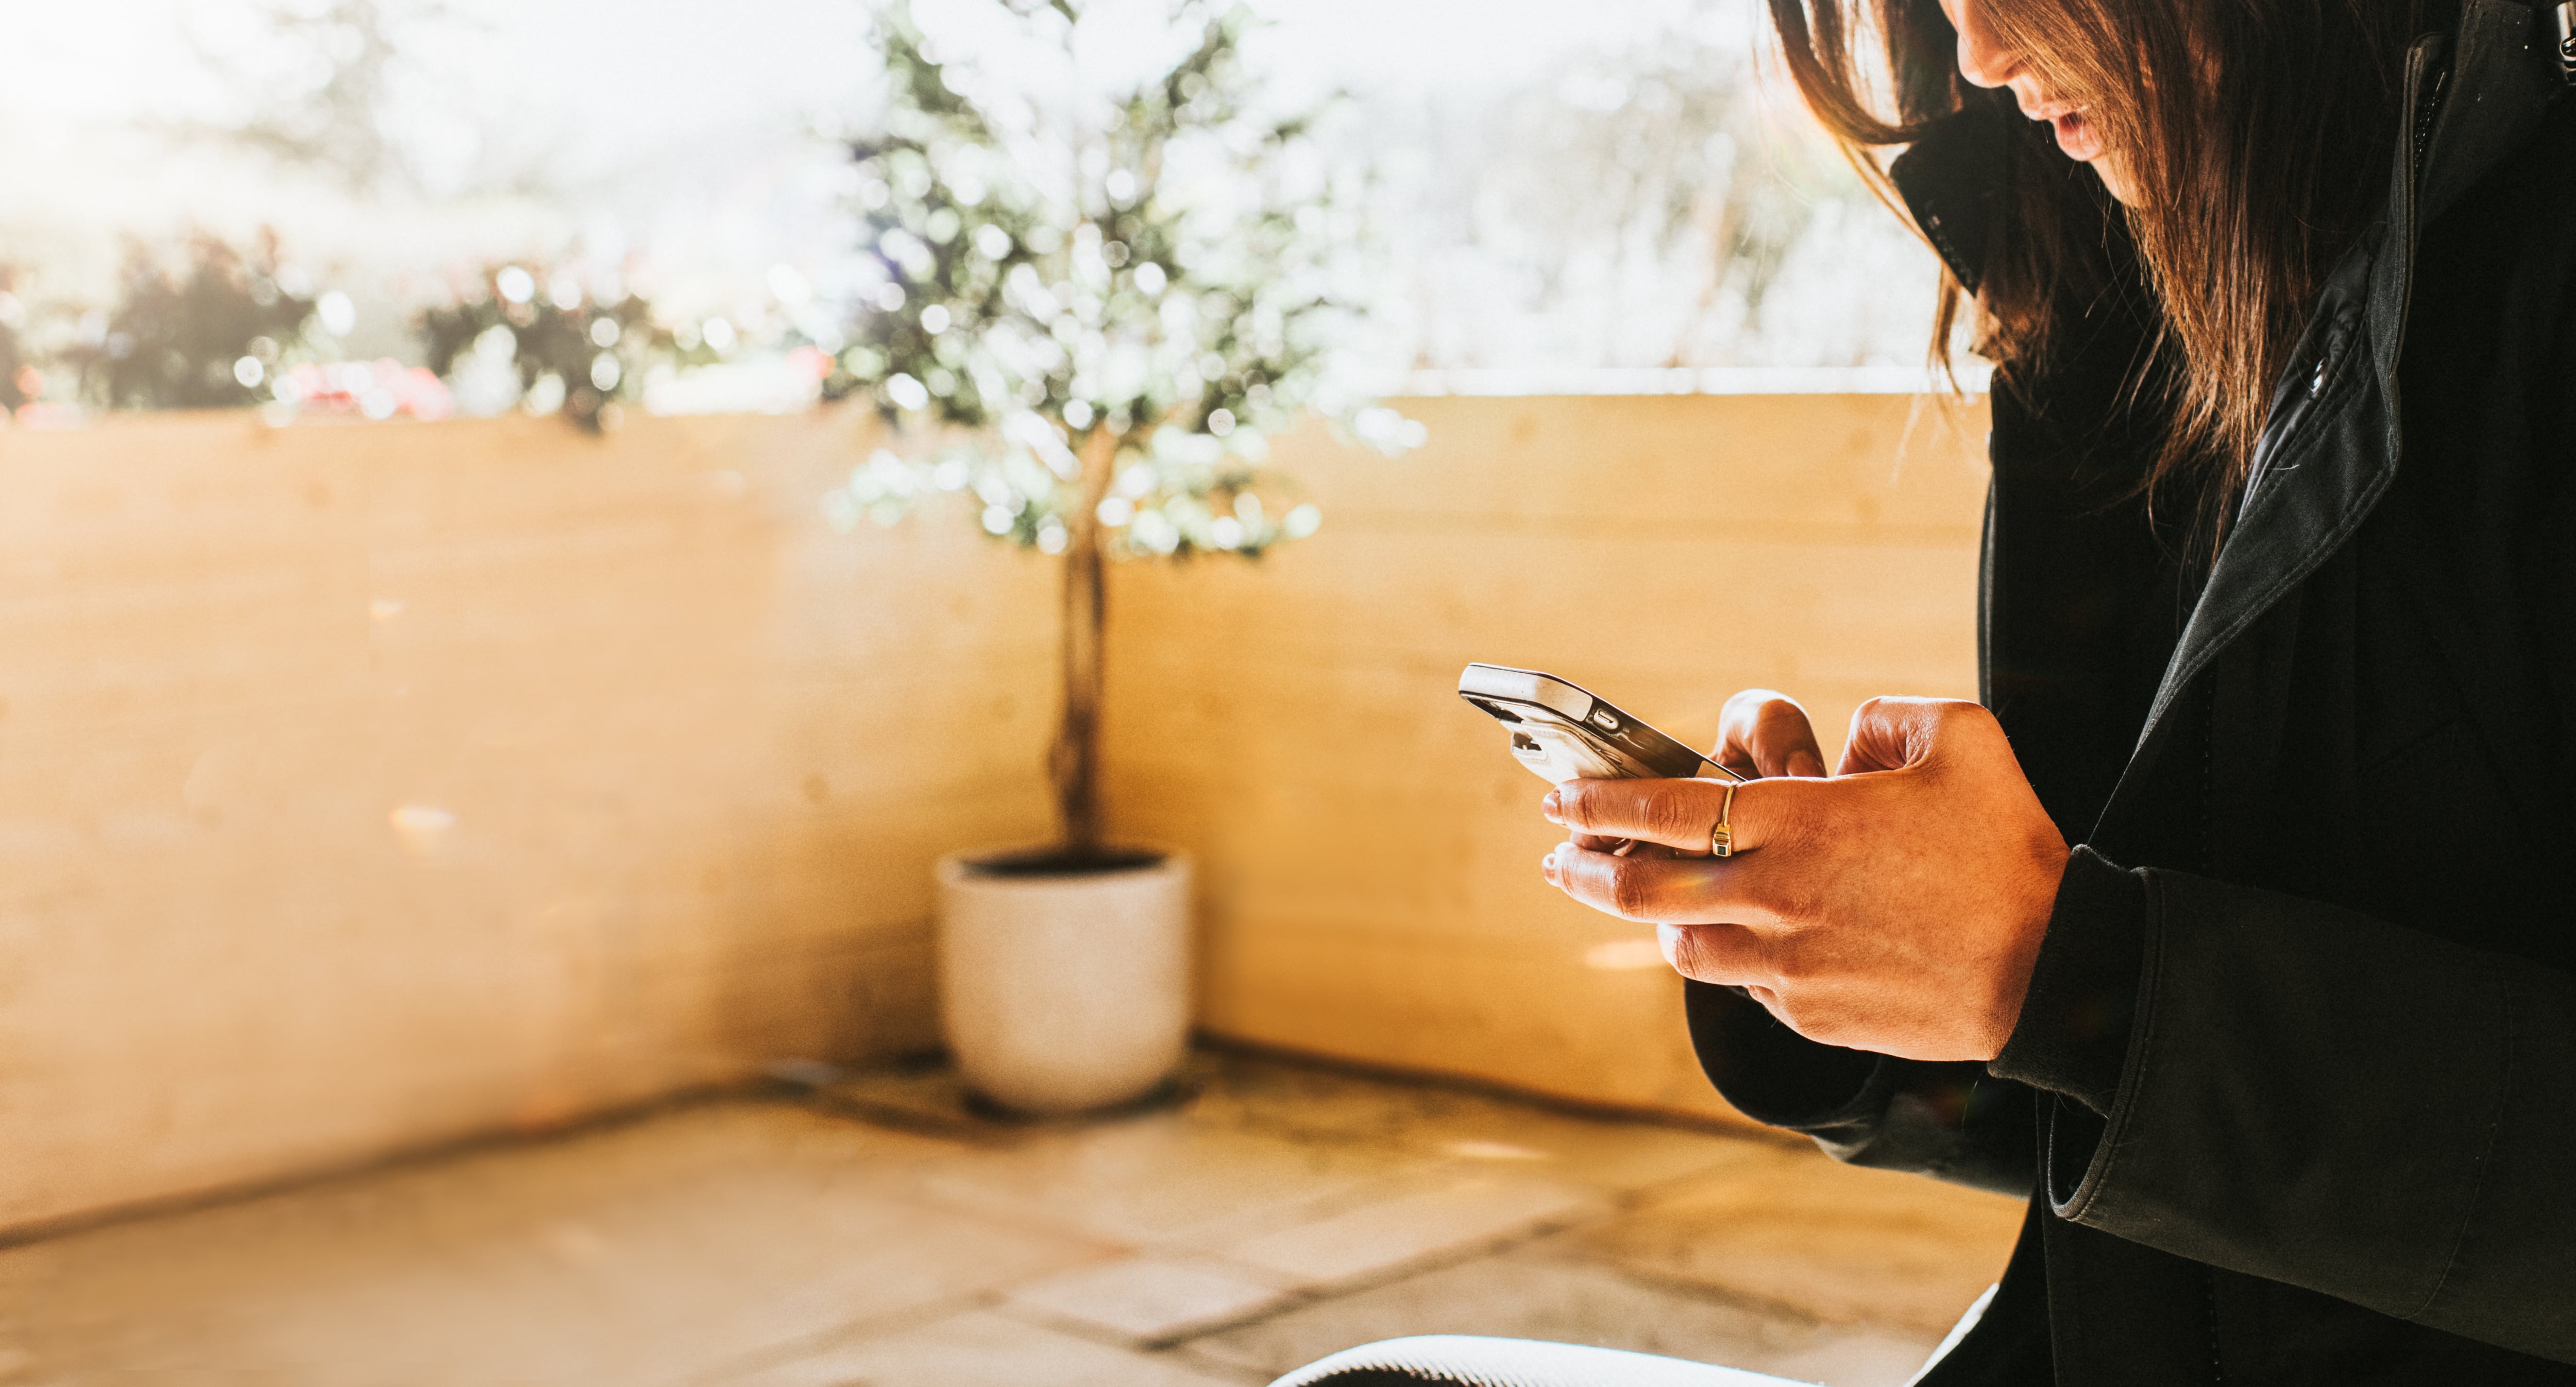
x=1089, y=312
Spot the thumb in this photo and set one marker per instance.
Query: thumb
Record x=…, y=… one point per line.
x=1896, y=733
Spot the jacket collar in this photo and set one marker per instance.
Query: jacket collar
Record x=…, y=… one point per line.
x=1952, y=182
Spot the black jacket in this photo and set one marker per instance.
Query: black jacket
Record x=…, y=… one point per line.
x=2294, y=1091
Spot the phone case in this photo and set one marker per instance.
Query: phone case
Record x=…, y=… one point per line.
x=1562, y=731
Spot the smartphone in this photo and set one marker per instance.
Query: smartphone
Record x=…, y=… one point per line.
x=1562, y=731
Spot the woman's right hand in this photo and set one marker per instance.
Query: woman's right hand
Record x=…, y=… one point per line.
x=1765, y=733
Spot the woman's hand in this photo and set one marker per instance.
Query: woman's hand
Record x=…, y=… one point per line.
x=1896, y=907
x=1760, y=732
x=1766, y=733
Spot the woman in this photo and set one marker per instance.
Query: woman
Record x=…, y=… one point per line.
x=2279, y=629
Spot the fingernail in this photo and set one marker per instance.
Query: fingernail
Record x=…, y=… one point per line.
x=1548, y=807
x=1547, y=866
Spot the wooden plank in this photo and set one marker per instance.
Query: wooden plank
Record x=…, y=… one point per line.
x=1764, y=463
x=1369, y=852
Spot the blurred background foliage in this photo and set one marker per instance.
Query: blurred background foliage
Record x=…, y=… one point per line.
x=1640, y=202
x=546, y=339
x=20, y=381
x=208, y=332
x=1622, y=186
x=318, y=90
x=1111, y=306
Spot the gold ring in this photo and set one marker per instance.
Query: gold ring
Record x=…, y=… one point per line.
x=1721, y=839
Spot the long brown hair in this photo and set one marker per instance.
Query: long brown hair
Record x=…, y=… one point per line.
x=2256, y=134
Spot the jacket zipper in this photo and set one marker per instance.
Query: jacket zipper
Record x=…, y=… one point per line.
x=2425, y=111
x=2428, y=107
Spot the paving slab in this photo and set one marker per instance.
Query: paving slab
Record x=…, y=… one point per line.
x=1837, y=1243
x=1150, y=1299
x=1250, y=1147
x=1440, y=1220
x=1161, y=1182
x=1320, y=1106
x=633, y=1256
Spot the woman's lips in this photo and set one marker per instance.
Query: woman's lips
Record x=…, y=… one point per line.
x=2076, y=136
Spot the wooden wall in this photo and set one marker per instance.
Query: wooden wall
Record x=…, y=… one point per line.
x=367, y=786
x=1370, y=850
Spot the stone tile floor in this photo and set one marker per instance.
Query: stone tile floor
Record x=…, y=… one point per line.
x=874, y=1230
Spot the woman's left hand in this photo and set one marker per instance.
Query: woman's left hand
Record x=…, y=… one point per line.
x=1896, y=907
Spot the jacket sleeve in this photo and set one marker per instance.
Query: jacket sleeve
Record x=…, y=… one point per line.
x=1955, y=1122
x=2311, y=1095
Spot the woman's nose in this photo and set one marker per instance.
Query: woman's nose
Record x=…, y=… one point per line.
x=1983, y=58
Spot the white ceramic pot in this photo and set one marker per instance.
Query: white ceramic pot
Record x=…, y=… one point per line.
x=1061, y=992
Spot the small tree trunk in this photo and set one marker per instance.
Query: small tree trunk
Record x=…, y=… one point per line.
x=1074, y=761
